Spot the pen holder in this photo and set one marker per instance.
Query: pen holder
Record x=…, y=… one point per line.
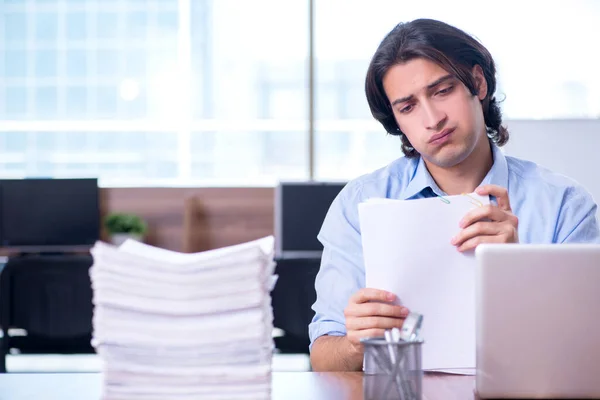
x=392, y=370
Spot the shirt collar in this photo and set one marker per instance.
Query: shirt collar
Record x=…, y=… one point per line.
x=498, y=174
x=422, y=179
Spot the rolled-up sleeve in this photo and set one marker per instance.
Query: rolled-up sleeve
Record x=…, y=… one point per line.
x=578, y=222
x=341, y=273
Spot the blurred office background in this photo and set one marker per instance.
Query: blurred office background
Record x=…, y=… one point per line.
x=191, y=112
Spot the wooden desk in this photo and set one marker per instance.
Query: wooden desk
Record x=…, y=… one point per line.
x=286, y=386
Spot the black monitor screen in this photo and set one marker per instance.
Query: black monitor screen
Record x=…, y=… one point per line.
x=49, y=212
x=300, y=211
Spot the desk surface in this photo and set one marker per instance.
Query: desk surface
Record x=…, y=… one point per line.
x=286, y=385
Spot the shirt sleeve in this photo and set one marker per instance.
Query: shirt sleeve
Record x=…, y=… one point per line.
x=341, y=273
x=578, y=220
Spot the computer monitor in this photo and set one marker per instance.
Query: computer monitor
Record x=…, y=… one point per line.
x=49, y=214
x=300, y=208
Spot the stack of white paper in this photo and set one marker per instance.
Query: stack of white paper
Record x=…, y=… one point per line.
x=184, y=326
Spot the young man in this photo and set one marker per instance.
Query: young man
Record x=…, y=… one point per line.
x=433, y=85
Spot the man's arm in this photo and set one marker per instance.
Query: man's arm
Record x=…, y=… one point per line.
x=345, y=311
x=335, y=353
x=340, y=276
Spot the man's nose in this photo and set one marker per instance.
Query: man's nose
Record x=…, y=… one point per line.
x=434, y=118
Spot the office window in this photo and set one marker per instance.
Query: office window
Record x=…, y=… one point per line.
x=107, y=101
x=46, y=142
x=76, y=26
x=249, y=79
x=46, y=27
x=15, y=102
x=76, y=102
x=135, y=62
x=15, y=64
x=94, y=70
x=13, y=142
x=46, y=101
x=202, y=147
x=107, y=63
x=136, y=24
x=284, y=151
x=76, y=63
x=15, y=27
x=107, y=25
x=116, y=154
x=45, y=64
x=224, y=84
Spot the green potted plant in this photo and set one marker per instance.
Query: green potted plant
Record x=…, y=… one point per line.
x=123, y=226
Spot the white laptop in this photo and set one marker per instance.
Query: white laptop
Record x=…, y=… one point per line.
x=538, y=321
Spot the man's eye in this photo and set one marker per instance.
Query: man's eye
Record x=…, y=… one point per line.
x=445, y=90
x=406, y=109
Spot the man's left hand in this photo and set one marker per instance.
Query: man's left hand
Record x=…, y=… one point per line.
x=490, y=223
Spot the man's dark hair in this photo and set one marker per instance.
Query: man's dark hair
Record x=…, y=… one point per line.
x=450, y=48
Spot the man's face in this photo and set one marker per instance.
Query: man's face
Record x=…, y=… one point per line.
x=440, y=117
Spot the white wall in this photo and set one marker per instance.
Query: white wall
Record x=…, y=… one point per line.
x=569, y=147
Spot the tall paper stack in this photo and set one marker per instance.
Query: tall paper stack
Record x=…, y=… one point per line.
x=170, y=325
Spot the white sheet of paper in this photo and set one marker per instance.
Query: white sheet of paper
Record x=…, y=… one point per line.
x=262, y=247
x=407, y=251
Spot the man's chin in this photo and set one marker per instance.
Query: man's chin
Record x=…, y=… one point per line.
x=447, y=158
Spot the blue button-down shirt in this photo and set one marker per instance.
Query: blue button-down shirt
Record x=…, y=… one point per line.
x=551, y=209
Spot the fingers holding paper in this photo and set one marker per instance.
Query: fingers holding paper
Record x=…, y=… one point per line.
x=370, y=312
x=500, y=193
x=488, y=224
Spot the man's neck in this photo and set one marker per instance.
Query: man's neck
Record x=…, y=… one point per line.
x=466, y=176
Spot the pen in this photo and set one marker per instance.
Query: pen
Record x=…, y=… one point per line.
x=394, y=363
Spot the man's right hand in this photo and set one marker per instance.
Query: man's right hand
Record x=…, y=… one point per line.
x=369, y=313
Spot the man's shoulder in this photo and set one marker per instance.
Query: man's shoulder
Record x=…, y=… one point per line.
x=532, y=176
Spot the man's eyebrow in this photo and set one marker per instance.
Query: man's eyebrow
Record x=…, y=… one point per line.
x=439, y=81
x=402, y=100
x=429, y=87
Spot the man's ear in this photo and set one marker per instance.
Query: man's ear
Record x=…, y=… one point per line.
x=480, y=82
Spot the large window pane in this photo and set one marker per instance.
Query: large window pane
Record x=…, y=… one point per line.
x=76, y=63
x=46, y=101
x=248, y=158
x=15, y=27
x=137, y=23
x=15, y=102
x=45, y=64
x=110, y=61
x=15, y=63
x=76, y=102
x=121, y=157
x=249, y=65
x=342, y=155
x=226, y=79
x=242, y=56
x=76, y=26
x=46, y=26
x=107, y=25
